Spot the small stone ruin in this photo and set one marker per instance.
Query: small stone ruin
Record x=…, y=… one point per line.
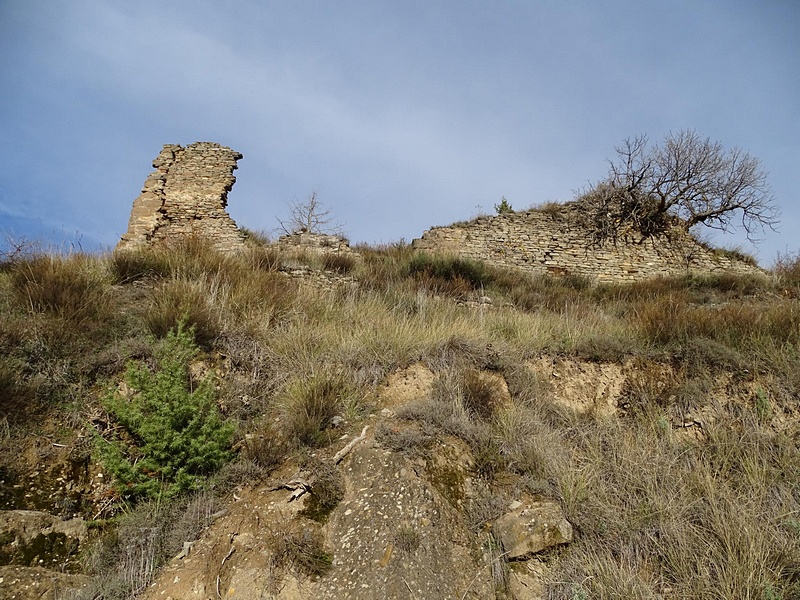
x=186, y=196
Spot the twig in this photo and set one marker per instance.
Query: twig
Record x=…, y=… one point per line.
x=409, y=588
x=337, y=458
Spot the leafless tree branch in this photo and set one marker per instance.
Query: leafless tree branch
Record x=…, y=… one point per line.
x=686, y=180
x=309, y=216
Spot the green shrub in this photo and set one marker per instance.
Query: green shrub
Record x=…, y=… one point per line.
x=449, y=275
x=176, y=434
x=503, y=207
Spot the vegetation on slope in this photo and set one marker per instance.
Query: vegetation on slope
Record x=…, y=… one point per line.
x=657, y=512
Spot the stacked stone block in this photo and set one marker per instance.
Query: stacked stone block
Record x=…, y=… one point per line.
x=186, y=196
x=554, y=242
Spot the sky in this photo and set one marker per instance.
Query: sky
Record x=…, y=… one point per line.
x=400, y=116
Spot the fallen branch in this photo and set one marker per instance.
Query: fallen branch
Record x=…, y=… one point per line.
x=337, y=458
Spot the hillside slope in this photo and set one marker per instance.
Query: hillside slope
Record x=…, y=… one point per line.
x=447, y=429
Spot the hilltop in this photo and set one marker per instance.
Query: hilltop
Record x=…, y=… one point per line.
x=449, y=428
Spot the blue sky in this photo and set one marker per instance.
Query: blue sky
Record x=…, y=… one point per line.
x=400, y=115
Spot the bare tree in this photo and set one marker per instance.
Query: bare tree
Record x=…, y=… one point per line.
x=685, y=181
x=309, y=216
x=13, y=248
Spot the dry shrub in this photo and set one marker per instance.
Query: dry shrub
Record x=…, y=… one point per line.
x=449, y=276
x=657, y=515
x=262, y=258
x=529, y=444
x=196, y=257
x=126, y=559
x=533, y=293
x=261, y=299
x=15, y=394
x=265, y=448
x=327, y=490
x=70, y=287
x=482, y=394
x=787, y=268
x=127, y=266
x=338, y=263
x=406, y=438
x=737, y=324
x=406, y=538
x=299, y=546
x=176, y=299
x=457, y=351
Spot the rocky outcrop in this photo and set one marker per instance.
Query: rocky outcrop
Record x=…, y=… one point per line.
x=38, y=539
x=530, y=527
x=186, y=196
x=554, y=241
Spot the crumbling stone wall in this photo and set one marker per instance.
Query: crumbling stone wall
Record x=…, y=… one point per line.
x=554, y=242
x=186, y=195
x=319, y=243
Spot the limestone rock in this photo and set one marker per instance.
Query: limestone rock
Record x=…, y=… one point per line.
x=186, y=196
x=531, y=527
x=33, y=538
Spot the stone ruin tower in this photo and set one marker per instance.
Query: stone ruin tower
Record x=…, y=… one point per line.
x=186, y=196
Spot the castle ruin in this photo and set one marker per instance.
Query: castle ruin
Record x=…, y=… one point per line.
x=555, y=241
x=186, y=196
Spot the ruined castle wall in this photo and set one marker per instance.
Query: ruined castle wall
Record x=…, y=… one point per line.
x=553, y=242
x=186, y=195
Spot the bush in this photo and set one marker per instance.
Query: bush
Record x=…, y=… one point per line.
x=176, y=434
x=300, y=547
x=449, y=275
x=787, y=268
x=125, y=560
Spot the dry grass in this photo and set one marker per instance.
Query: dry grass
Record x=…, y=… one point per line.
x=72, y=288
x=656, y=513
x=299, y=546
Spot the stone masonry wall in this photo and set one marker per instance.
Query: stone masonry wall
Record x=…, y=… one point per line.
x=552, y=242
x=185, y=196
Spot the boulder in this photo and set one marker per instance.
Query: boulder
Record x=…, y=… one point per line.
x=530, y=527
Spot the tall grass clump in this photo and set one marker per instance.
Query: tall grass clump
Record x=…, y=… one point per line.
x=73, y=287
x=309, y=405
x=127, y=266
x=175, y=434
x=195, y=301
x=449, y=275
